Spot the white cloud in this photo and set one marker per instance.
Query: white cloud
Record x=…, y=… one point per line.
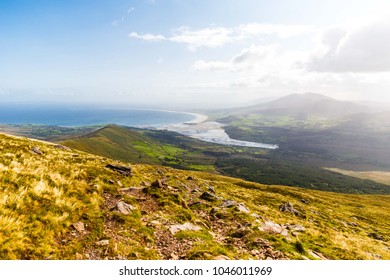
x=256, y=56
x=147, y=37
x=215, y=36
x=131, y=9
x=361, y=49
x=207, y=37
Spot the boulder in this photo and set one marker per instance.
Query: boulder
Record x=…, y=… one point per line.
x=124, y=170
x=241, y=232
x=186, y=226
x=242, y=208
x=208, y=196
x=158, y=184
x=287, y=207
x=37, y=151
x=61, y=147
x=79, y=226
x=271, y=227
x=228, y=203
x=124, y=208
x=296, y=227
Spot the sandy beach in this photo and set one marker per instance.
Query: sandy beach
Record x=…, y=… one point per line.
x=213, y=132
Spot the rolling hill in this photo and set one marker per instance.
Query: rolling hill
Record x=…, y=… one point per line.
x=59, y=203
x=175, y=150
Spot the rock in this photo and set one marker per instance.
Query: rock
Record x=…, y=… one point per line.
x=124, y=170
x=124, y=208
x=186, y=226
x=208, y=196
x=317, y=255
x=352, y=224
x=257, y=216
x=296, y=227
x=61, y=147
x=104, y=242
x=79, y=226
x=376, y=236
x=111, y=182
x=228, y=203
x=221, y=258
x=242, y=208
x=241, y=232
x=271, y=227
x=305, y=201
x=211, y=189
x=287, y=207
x=131, y=190
x=37, y=151
x=158, y=184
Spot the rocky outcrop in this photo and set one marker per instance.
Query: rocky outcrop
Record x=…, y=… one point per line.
x=124, y=170
x=37, y=151
x=186, y=226
x=288, y=207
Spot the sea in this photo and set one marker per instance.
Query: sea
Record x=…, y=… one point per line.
x=87, y=116
x=187, y=123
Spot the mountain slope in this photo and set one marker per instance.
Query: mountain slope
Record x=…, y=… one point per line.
x=304, y=105
x=175, y=150
x=56, y=203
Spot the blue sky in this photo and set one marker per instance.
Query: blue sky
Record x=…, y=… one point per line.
x=192, y=52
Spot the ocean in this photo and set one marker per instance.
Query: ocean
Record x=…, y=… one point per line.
x=189, y=124
x=85, y=116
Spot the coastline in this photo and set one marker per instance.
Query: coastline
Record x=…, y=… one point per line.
x=212, y=132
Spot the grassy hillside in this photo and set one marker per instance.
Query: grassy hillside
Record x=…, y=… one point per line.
x=57, y=203
x=175, y=150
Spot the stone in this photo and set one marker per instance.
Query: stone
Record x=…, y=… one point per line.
x=104, y=242
x=228, y=203
x=124, y=208
x=296, y=227
x=242, y=208
x=186, y=226
x=208, y=196
x=352, y=224
x=287, y=207
x=62, y=147
x=317, y=255
x=37, y=151
x=376, y=236
x=158, y=184
x=271, y=227
x=306, y=201
x=79, y=226
x=211, y=189
x=241, y=232
x=124, y=170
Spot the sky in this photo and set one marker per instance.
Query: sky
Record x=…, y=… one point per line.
x=192, y=53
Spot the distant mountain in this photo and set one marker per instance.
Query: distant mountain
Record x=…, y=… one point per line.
x=303, y=105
